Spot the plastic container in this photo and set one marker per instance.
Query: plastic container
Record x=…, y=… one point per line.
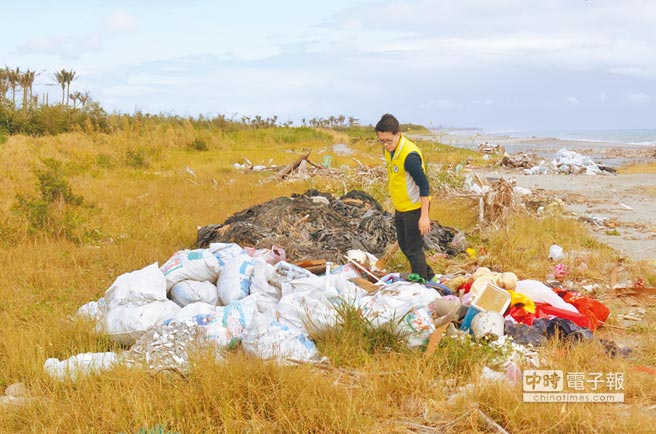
x=469, y=316
x=492, y=299
x=487, y=325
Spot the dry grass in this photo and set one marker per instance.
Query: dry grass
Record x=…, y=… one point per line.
x=144, y=205
x=639, y=168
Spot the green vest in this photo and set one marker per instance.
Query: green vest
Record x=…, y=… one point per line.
x=402, y=188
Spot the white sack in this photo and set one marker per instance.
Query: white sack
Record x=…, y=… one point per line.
x=235, y=280
x=270, y=339
x=223, y=252
x=191, y=291
x=199, y=265
x=138, y=287
x=308, y=310
x=125, y=323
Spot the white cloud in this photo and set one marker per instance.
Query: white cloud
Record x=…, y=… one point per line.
x=638, y=98
x=121, y=22
x=572, y=100
x=66, y=47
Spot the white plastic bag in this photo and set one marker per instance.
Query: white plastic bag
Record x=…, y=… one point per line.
x=308, y=310
x=235, y=280
x=80, y=364
x=126, y=322
x=199, y=265
x=140, y=286
x=541, y=293
x=191, y=291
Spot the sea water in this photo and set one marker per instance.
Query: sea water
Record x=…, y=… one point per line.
x=628, y=136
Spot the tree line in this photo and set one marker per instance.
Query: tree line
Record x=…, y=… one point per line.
x=13, y=81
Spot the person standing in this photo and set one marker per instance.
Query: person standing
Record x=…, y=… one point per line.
x=409, y=190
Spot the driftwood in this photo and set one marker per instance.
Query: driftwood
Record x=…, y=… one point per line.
x=292, y=166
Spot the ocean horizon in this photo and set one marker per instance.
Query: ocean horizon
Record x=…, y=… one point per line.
x=645, y=137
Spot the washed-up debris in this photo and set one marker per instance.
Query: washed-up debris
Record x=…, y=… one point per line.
x=316, y=225
x=496, y=199
x=571, y=163
x=525, y=161
x=486, y=148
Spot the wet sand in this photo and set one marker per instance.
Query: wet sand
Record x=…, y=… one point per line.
x=629, y=199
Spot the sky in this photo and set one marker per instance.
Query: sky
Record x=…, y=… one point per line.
x=492, y=64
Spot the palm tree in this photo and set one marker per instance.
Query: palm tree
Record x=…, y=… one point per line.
x=77, y=96
x=70, y=78
x=26, y=80
x=83, y=98
x=4, y=83
x=14, y=78
x=64, y=79
x=61, y=77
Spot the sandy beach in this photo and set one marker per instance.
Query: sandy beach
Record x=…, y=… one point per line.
x=629, y=200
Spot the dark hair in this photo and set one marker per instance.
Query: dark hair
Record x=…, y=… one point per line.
x=388, y=123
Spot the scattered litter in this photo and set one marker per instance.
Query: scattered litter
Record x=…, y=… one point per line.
x=569, y=162
x=80, y=364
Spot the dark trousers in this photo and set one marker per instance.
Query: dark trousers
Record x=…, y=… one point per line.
x=411, y=242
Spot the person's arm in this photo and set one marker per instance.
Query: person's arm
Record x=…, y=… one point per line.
x=424, y=219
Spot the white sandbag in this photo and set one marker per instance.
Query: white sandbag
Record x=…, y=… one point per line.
x=268, y=295
x=125, y=323
x=235, y=280
x=198, y=312
x=137, y=287
x=286, y=272
x=223, y=252
x=541, y=293
x=333, y=284
x=225, y=325
x=191, y=291
x=80, y=364
x=199, y=265
x=270, y=339
x=308, y=310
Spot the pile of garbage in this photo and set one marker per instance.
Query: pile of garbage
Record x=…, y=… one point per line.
x=316, y=225
x=571, y=163
x=227, y=296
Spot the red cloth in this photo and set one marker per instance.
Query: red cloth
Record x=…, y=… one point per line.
x=519, y=314
x=594, y=310
x=545, y=310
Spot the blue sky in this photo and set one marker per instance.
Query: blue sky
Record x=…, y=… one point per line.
x=494, y=64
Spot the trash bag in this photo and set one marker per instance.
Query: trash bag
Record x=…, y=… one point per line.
x=137, y=287
x=235, y=280
x=199, y=265
x=191, y=291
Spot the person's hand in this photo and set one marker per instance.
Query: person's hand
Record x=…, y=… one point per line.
x=424, y=225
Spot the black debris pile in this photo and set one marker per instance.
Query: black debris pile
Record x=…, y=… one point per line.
x=316, y=225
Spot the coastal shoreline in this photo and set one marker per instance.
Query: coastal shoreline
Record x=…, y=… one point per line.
x=628, y=199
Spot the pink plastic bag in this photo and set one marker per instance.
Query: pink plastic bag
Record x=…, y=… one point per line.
x=271, y=256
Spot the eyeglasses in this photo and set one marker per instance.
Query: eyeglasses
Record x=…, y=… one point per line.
x=386, y=141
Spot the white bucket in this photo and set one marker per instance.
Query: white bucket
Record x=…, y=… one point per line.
x=488, y=325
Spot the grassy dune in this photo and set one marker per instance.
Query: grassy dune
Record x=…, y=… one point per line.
x=97, y=205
